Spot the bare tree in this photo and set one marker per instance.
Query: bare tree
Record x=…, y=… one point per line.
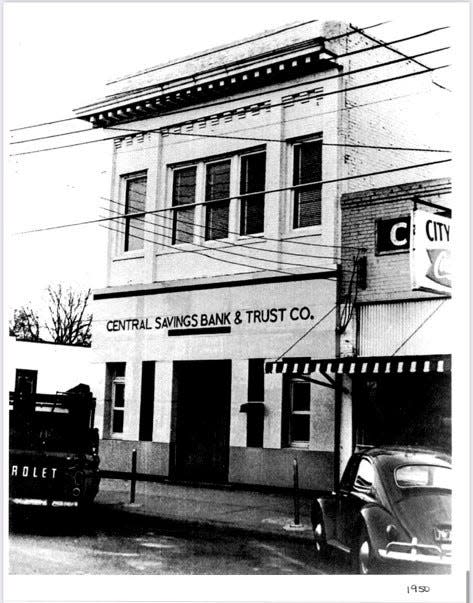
x=25, y=324
x=69, y=321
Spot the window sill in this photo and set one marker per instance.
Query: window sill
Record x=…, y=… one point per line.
x=299, y=445
x=129, y=255
x=303, y=230
x=257, y=237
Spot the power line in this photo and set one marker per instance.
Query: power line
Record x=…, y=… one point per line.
x=203, y=253
x=44, y=123
x=70, y=133
x=48, y=123
x=307, y=332
x=275, y=190
x=289, y=120
x=400, y=77
x=259, y=239
x=224, y=248
x=360, y=50
x=292, y=86
x=381, y=43
x=418, y=328
x=249, y=256
x=205, y=53
x=232, y=137
x=388, y=47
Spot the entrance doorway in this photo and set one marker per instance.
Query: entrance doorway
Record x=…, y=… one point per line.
x=201, y=419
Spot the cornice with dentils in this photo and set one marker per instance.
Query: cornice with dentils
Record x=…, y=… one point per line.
x=265, y=69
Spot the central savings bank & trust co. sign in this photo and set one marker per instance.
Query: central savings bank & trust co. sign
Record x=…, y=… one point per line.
x=213, y=319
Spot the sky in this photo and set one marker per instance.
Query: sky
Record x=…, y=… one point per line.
x=58, y=56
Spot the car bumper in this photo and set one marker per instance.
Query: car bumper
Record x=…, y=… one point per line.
x=39, y=502
x=413, y=553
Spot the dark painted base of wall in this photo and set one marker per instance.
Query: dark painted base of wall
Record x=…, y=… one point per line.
x=270, y=466
x=249, y=468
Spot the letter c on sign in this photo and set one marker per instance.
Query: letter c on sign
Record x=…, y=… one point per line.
x=393, y=235
x=110, y=328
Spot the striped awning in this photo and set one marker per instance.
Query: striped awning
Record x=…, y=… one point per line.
x=368, y=365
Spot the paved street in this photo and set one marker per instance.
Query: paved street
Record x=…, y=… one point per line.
x=110, y=542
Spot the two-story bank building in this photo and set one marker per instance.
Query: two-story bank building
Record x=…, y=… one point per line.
x=228, y=167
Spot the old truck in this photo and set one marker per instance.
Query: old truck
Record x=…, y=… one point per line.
x=53, y=448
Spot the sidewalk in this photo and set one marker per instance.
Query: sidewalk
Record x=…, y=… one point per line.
x=270, y=514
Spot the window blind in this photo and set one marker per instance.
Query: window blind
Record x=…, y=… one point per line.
x=252, y=179
x=183, y=193
x=134, y=202
x=308, y=168
x=217, y=186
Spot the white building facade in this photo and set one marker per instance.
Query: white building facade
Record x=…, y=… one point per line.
x=224, y=249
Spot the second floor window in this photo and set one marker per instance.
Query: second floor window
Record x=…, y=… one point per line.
x=183, y=194
x=135, y=197
x=252, y=180
x=307, y=169
x=217, y=186
x=204, y=197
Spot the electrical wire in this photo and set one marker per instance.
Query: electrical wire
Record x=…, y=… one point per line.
x=418, y=328
x=44, y=123
x=259, y=238
x=251, y=245
x=292, y=86
x=304, y=335
x=205, y=53
x=381, y=43
x=388, y=45
x=286, y=121
x=199, y=252
x=276, y=190
x=392, y=79
x=244, y=255
x=48, y=123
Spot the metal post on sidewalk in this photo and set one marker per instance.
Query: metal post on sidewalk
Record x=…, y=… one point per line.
x=296, y=525
x=133, y=476
x=297, y=516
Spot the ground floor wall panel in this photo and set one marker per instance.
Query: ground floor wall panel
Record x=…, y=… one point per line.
x=152, y=457
x=268, y=467
x=252, y=466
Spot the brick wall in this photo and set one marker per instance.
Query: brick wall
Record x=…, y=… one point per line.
x=388, y=275
x=399, y=113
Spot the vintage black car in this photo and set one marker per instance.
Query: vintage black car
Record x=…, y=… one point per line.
x=391, y=512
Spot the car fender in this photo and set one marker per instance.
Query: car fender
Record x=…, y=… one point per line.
x=376, y=519
x=327, y=508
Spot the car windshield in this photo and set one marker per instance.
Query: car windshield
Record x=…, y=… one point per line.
x=423, y=476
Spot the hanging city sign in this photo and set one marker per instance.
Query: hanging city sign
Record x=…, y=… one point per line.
x=430, y=252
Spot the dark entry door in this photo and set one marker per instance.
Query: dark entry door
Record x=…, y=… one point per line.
x=201, y=399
